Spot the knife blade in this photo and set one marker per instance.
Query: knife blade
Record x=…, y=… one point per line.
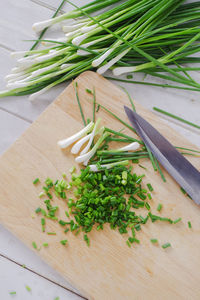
x=173, y=161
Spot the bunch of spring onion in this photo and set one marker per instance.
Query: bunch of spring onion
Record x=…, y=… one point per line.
x=84, y=139
x=156, y=37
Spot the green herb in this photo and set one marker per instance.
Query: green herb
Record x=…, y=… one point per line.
x=166, y=245
x=67, y=214
x=38, y=210
x=176, y=117
x=62, y=223
x=41, y=194
x=154, y=241
x=36, y=180
x=130, y=99
x=189, y=224
x=45, y=245
x=142, y=167
x=34, y=245
x=51, y=233
x=88, y=91
x=129, y=76
x=13, y=293
x=94, y=104
x=43, y=224
x=147, y=206
x=159, y=207
x=63, y=242
x=57, y=298
x=79, y=104
x=177, y=220
x=86, y=239
x=150, y=187
x=28, y=288
x=128, y=244
x=149, y=196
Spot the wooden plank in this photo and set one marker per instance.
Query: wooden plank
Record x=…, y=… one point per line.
x=120, y=272
x=16, y=19
x=21, y=105
x=10, y=129
x=15, y=278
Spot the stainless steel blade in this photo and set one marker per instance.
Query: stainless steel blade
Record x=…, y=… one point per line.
x=175, y=163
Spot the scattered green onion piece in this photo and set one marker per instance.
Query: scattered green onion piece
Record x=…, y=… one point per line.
x=63, y=242
x=88, y=91
x=166, y=245
x=189, y=224
x=128, y=244
x=176, y=117
x=13, y=293
x=43, y=224
x=28, y=288
x=159, y=207
x=34, y=245
x=36, y=180
x=154, y=241
x=38, y=210
x=45, y=245
x=86, y=239
x=150, y=187
x=41, y=194
x=79, y=104
x=147, y=206
x=51, y=233
x=177, y=220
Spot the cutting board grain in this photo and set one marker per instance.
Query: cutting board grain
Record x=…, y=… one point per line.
x=108, y=269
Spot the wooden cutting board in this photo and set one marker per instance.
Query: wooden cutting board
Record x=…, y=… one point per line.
x=108, y=269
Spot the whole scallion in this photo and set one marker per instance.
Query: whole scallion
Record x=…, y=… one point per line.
x=154, y=37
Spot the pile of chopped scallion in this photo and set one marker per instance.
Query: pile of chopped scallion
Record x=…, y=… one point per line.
x=157, y=37
x=110, y=196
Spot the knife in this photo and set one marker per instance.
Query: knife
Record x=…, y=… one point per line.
x=173, y=161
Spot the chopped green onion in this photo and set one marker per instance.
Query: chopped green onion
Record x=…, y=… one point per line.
x=36, y=180
x=45, y=245
x=51, y=233
x=166, y=245
x=154, y=241
x=128, y=244
x=38, y=210
x=86, y=239
x=28, y=288
x=63, y=242
x=88, y=91
x=13, y=293
x=177, y=220
x=189, y=224
x=79, y=104
x=150, y=187
x=147, y=206
x=34, y=245
x=159, y=207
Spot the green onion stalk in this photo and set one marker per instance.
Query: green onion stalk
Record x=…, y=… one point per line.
x=156, y=37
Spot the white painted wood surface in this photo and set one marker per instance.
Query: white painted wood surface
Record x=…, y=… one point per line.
x=16, y=19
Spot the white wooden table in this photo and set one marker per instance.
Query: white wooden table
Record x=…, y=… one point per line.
x=16, y=114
